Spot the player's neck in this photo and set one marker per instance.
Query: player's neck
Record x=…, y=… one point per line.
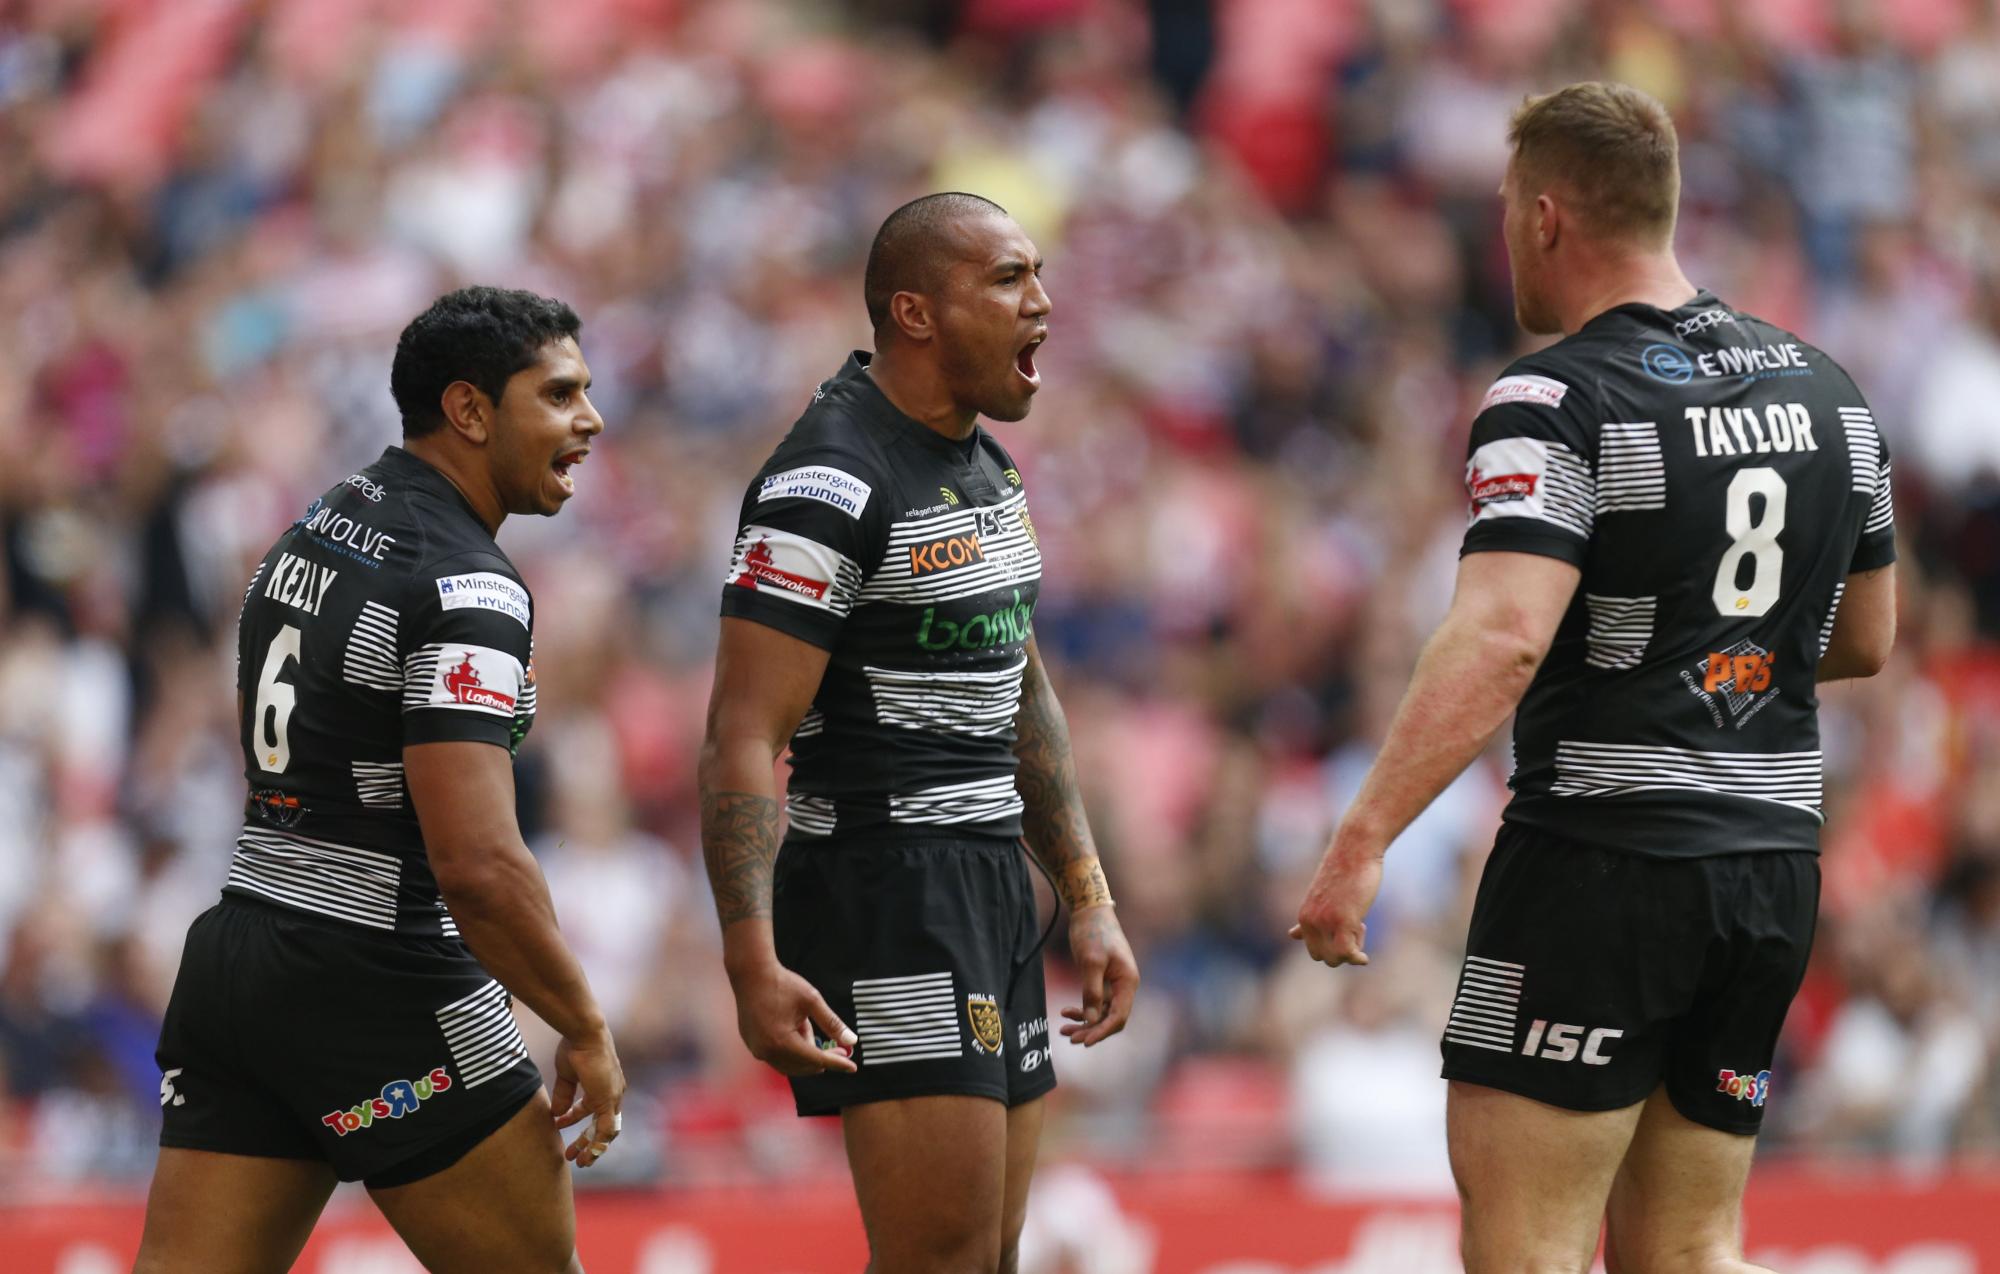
x=1652, y=278
x=478, y=493
x=914, y=387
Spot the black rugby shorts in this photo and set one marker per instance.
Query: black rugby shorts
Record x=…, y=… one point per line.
x=1592, y=976
x=930, y=950
x=292, y=1037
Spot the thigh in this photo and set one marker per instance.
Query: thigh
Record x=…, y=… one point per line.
x=503, y=1208
x=1677, y=1201
x=1719, y=1066
x=1577, y=963
x=210, y=1213
x=930, y=1174
x=1024, y=1140
x=1532, y=1178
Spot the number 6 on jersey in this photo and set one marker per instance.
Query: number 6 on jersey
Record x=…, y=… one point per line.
x=274, y=751
x=1757, y=541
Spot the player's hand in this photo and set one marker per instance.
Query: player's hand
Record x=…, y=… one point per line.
x=776, y=1011
x=1110, y=975
x=589, y=1082
x=1333, y=918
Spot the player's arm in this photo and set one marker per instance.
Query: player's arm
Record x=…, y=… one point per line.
x=1058, y=834
x=764, y=682
x=465, y=637
x=1471, y=674
x=463, y=792
x=1864, y=630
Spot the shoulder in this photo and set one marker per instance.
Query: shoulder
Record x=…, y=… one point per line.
x=1788, y=348
x=1551, y=394
x=830, y=456
x=1546, y=379
x=457, y=566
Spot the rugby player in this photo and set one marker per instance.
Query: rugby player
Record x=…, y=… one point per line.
x=343, y=1014
x=1681, y=524
x=877, y=620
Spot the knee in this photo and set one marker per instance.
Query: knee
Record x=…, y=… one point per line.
x=1676, y=1254
x=968, y=1256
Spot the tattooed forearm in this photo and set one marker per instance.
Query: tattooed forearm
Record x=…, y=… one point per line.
x=1083, y=885
x=1057, y=831
x=739, y=842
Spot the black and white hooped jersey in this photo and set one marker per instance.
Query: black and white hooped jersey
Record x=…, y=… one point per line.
x=1716, y=479
x=385, y=616
x=910, y=558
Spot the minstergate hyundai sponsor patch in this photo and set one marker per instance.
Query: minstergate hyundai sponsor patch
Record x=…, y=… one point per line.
x=824, y=483
x=487, y=590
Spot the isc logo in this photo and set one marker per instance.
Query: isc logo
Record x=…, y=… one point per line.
x=1558, y=1042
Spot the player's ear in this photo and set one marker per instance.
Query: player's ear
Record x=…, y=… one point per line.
x=910, y=314
x=1548, y=222
x=467, y=410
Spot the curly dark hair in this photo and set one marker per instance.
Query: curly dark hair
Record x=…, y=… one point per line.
x=479, y=335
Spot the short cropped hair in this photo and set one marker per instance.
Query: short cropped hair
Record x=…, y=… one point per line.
x=1615, y=150
x=913, y=247
x=479, y=335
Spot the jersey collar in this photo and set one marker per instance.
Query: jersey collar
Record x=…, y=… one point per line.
x=1703, y=299
x=427, y=475
x=854, y=374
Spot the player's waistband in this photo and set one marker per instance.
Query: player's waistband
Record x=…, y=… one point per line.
x=988, y=806
x=885, y=836
x=1667, y=824
x=365, y=888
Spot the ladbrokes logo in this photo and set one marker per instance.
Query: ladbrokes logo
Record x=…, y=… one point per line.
x=1499, y=488
x=1736, y=681
x=464, y=684
x=946, y=554
x=399, y=1097
x=759, y=566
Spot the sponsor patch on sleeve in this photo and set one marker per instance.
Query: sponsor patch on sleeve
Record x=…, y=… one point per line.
x=476, y=679
x=819, y=482
x=791, y=566
x=1530, y=478
x=487, y=590
x=1540, y=391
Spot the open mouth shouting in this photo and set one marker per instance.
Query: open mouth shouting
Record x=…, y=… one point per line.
x=564, y=463
x=1024, y=361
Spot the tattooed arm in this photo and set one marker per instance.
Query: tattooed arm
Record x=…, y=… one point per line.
x=764, y=682
x=1058, y=834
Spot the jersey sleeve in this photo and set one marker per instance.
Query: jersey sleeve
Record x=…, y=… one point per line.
x=1877, y=546
x=467, y=666
x=1529, y=470
x=810, y=531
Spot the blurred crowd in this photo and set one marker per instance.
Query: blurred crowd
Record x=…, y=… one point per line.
x=1273, y=248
